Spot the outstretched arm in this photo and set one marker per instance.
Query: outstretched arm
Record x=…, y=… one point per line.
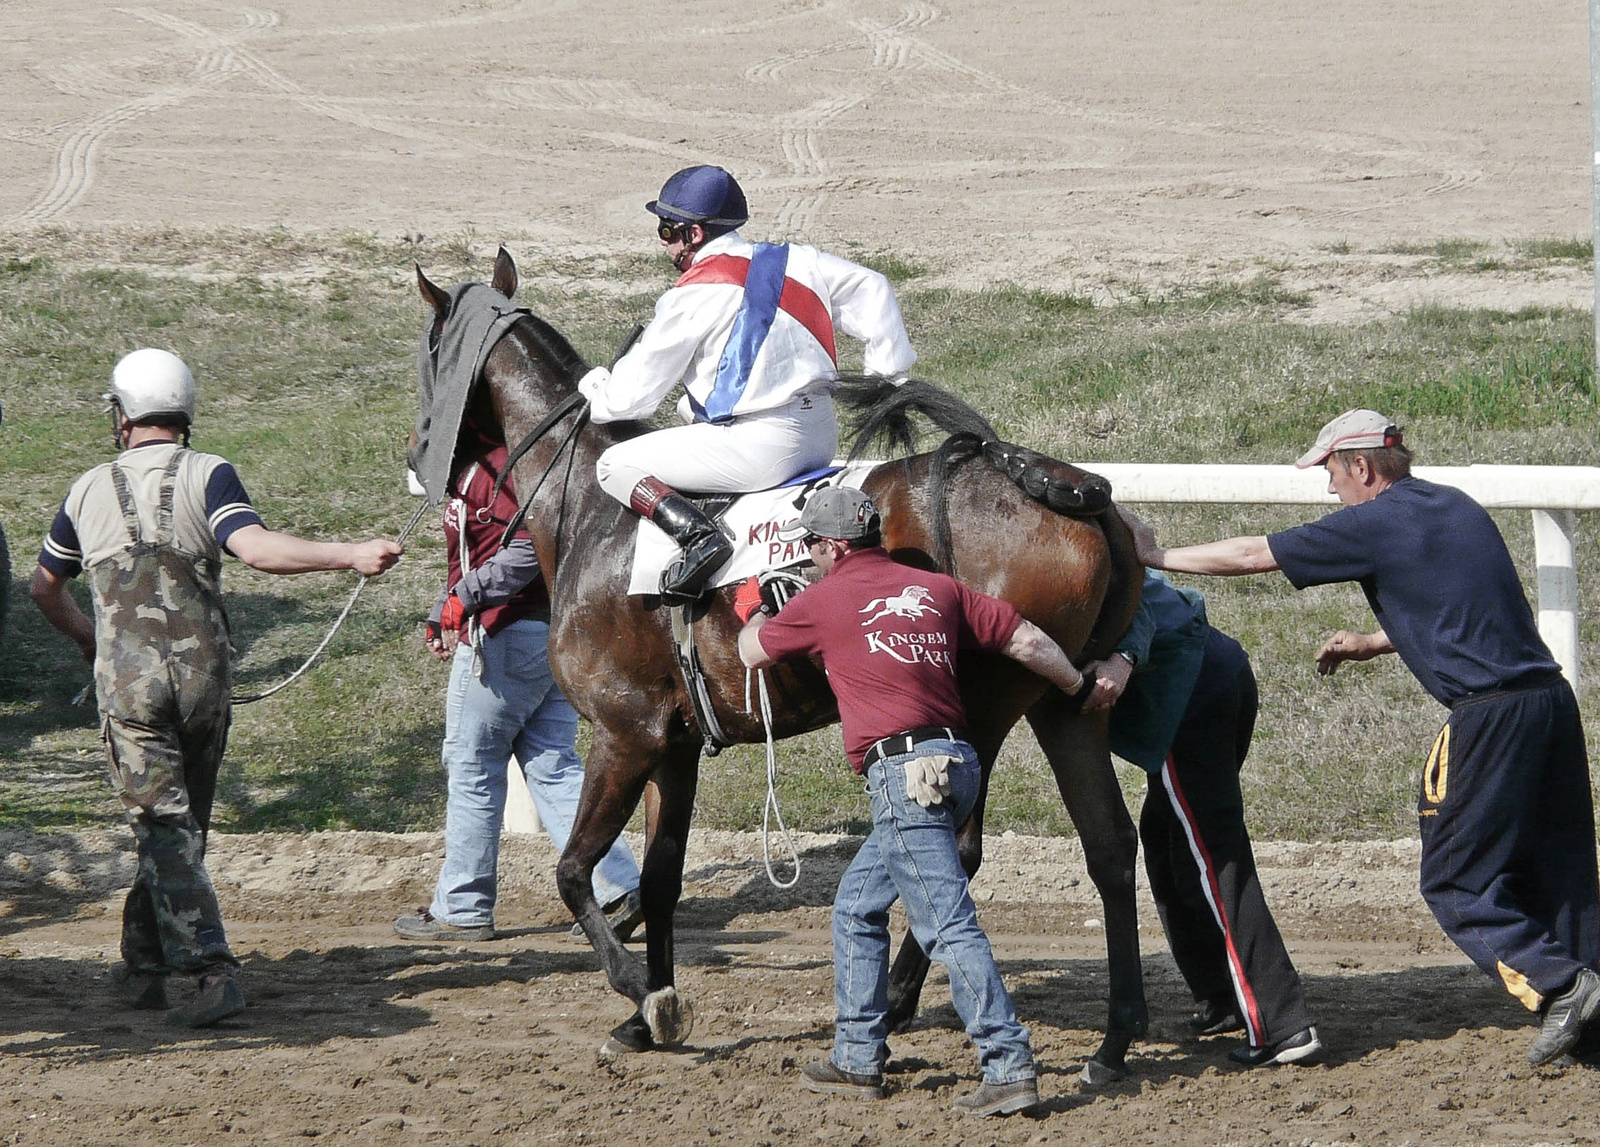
x=1348, y=646
x=1033, y=648
x=278, y=553
x=750, y=651
x=49, y=593
x=1230, y=557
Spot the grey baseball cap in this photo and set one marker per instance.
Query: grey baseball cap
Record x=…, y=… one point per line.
x=835, y=512
x=1352, y=430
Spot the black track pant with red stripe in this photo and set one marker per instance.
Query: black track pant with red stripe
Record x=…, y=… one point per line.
x=1197, y=854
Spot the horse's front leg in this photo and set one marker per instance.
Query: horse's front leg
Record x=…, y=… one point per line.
x=615, y=776
x=1074, y=742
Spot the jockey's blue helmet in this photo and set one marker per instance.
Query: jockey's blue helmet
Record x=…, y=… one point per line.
x=705, y=195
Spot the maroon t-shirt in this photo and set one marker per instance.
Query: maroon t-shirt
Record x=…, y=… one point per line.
x=887, y=635
x=485, y=524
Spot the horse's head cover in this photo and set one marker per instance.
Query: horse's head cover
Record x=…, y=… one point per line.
x=446, y=370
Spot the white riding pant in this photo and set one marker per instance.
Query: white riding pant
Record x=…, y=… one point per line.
x=756, y=452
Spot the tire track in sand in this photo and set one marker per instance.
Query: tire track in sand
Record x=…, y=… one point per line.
x=76, y=165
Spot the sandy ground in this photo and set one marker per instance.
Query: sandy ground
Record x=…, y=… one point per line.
x=355, y=1036
x=1105, y=148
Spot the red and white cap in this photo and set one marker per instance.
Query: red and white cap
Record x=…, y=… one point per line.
x=1352, y=430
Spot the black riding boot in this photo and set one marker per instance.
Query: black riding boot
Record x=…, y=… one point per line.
x=705, y=547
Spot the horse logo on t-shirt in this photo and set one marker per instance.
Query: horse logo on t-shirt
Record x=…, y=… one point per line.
x=907, y=603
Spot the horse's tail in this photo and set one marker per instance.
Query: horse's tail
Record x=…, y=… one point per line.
x=880, y=410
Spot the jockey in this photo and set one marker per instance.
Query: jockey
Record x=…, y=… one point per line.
x=748, y=329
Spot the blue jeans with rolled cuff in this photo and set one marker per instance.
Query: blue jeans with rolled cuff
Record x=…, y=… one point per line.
x=503, y=700
x=911, y=856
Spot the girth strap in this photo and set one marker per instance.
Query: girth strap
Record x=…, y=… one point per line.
x=694, y=679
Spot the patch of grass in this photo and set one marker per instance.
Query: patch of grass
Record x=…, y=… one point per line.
x=1573, y=250
x=303, y=352
x=896, y=268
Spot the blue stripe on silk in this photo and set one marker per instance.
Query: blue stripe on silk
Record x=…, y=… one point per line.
x=763, y=287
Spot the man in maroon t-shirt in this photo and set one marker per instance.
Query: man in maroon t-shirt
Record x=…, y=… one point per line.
x=888, y=636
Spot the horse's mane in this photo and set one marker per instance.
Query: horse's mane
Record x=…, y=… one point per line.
x=553, y=346
x=879, y=410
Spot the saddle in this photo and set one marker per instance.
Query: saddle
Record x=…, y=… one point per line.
x=752, y=521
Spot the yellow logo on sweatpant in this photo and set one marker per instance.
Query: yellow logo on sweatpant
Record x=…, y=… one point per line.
x=1436, y=773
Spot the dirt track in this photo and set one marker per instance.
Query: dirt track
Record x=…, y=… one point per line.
x=1106, y=149
x=353, y=1035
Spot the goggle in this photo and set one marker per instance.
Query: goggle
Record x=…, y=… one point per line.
x=671, y=232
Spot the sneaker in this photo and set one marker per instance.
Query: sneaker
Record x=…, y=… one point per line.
x=1217, y=1016
x=1000, y=1098
x=218, y=998
x=1295, y=1049
x=822, y=1076
x=144, y=990
x=624, y=915
x=1565, y=1017
x=423, y=926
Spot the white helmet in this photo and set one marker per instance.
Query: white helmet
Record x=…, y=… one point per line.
x=152, y=382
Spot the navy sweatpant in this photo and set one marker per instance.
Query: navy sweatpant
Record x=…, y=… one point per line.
x=1197, y=854
x=1508, y=838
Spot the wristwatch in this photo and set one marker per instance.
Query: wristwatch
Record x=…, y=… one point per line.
x=1131, y=658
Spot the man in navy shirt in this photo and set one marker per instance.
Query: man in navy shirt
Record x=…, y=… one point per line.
x=1506, y=814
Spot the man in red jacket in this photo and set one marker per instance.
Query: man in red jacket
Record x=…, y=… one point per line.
x=493, y=624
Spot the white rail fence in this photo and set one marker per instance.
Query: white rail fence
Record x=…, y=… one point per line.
x=1554, y=494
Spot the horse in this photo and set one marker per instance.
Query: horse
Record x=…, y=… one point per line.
x=1076, y=577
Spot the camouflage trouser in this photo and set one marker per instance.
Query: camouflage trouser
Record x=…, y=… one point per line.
x=165, y=771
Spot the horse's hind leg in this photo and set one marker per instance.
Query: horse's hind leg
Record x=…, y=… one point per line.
x=1074, y=742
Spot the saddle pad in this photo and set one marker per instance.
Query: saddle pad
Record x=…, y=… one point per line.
x=754, y=521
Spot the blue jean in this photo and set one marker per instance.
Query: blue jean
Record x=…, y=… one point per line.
x=911, y=856
x=508, y=703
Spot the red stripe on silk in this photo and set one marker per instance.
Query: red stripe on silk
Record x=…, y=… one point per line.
x=1208, y=873
x=717, y=269
x=802, y=304
x=799, y=301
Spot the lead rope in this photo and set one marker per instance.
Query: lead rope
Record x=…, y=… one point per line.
x=771, y=811
x=344, y=613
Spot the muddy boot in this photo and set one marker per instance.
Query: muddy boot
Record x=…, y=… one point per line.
x=144, y=990
x=218, y=998
x=705, y=547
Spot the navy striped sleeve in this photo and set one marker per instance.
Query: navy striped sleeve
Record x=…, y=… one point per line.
x=60, y=553
x=228, y=507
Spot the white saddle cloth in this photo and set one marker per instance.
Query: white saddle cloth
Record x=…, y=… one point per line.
x=755, y=521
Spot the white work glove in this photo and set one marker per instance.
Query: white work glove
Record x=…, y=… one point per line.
x=594, y=382
x=928, y=779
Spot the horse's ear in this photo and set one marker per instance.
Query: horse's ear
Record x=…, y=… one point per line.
x=505, y=274
x=432, y=295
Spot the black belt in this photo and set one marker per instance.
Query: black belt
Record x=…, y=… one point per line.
x=905, y=742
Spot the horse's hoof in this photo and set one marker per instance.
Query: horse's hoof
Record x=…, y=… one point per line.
x=669, y=1015
x=627, y=1037
x=1097, y=1074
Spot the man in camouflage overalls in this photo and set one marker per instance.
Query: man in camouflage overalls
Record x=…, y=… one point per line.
x=150, y=528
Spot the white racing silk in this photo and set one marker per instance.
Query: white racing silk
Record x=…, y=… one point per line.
x=686, y=339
